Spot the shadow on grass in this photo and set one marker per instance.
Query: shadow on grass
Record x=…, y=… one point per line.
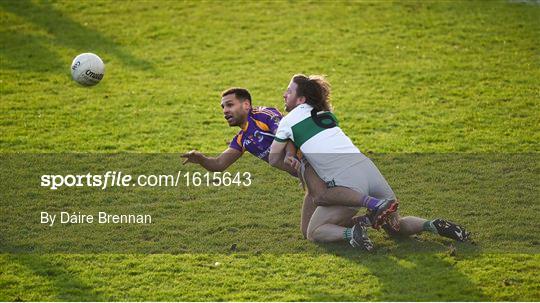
x=414, y=271
x=32, y=52
x=64, y=284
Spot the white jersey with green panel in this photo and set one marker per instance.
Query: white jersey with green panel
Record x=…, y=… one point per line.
x=328, y=150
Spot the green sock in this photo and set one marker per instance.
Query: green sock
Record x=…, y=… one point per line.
x=428, y=226
x=347, y=234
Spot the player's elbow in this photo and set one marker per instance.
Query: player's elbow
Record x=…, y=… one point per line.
x=213, y=167
x=218, y=167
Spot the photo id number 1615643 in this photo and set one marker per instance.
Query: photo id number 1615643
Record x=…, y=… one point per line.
x=217, y=179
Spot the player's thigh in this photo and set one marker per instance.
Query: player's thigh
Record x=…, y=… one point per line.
x=338, y=215
x=308, y=208
x=315, y=185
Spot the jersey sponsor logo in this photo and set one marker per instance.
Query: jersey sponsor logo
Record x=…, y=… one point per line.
x=264, y=153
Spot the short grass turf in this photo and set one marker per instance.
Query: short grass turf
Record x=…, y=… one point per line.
x=443, y=96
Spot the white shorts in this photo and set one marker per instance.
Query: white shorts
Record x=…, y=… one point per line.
x=363, y=177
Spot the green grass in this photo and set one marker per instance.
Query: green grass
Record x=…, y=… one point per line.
x=295, y=277
x=443, y=96
x=410, y=77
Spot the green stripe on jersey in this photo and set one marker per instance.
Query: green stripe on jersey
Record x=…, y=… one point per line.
x=306, y=129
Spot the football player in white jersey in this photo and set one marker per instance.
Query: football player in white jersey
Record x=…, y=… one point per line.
x=352, y=180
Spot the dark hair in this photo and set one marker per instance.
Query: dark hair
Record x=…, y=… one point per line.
x=240, y=93
x=315, y=89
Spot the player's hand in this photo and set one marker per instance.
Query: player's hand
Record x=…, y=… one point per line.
x=192, y=157
x=292, y=161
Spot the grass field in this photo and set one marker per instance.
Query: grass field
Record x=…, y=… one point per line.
x=443, y=96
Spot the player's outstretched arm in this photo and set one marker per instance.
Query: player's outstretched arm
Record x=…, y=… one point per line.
x=219, y=163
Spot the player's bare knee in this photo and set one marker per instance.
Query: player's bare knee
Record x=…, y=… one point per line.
x=314, y=235
x=310, y=234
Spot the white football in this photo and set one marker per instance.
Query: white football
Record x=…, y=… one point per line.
x=87, y=69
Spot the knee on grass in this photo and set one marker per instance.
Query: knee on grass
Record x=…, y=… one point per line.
x=315, y=235
x=311, y=236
